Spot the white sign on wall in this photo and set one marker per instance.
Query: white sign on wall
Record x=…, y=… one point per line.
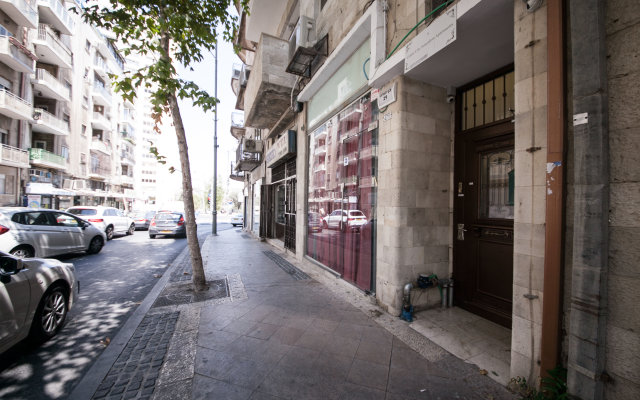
x=387, y=96
x=437, y=36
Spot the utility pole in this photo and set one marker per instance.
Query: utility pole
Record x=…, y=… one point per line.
x=214, y=206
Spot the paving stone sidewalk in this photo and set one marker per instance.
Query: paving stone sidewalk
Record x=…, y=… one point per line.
x=277, y=336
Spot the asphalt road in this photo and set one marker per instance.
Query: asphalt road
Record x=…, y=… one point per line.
x=112, y=284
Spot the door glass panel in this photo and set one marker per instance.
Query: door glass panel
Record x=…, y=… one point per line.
x=280, y=204
x=496, y=185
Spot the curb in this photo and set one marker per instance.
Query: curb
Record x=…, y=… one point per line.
x=100, y=368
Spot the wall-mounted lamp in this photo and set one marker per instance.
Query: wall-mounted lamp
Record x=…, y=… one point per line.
x=532, y=5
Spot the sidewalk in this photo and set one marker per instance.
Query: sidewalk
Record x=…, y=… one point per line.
x=267, y=330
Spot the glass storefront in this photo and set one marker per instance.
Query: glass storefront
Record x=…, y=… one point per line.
x=342, y=192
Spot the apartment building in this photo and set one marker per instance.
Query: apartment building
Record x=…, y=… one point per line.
x=66, y=138
x=491, y=142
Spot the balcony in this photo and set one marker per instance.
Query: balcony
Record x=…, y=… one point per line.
x=50, y=49
x=101, y=146
x=127, y=180
x=268, y=93
x=101, y=95
x=237, y=176
x=320, y=150
x=100, y=121
x=23, y=12
x=46, y=85
x=247, y=161
x=15, y=55
x=237, y=125
x=127, y=157
x=100, y=67
x=48, y=123
x=47, y=159
x=14, y=157
x=128, y=133
x=54, y=13
x=15, y=107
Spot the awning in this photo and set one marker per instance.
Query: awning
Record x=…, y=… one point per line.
x=47, y=189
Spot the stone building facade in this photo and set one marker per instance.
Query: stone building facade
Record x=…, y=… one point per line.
x=488, y=142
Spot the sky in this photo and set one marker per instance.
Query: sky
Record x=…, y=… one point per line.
x=199, y=126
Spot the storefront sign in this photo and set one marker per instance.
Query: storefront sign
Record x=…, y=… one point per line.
x=34, y=200
x=437, y=36
x=282, y=150
x=387, y=96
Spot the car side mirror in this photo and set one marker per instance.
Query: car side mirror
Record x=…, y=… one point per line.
x=9, y=266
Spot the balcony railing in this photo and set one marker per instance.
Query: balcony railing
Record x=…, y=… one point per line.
x=15, y=107
x=49, y=123
x=320, y=149
x=247, y=161
x=236, y=175
x=16, y=55
x=47, y=158
x=100, y=66
x=49, y=86
x=237, y=125
x=128, y=156
x=99, y=145
x=23, y=12
x=50, y=48
x=55, y=12
x=13, y=156
x=101, y=94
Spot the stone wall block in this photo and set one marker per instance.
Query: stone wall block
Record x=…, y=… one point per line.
x=623, y=50
x=623, y=111
x=586, y=286
x=621, y=359
x=525, y=333
x=620, y=15
x=624, y=251
x=624, y=204
x=528, y=271
x=624, y=150
x=624, y=298
x=529, y=309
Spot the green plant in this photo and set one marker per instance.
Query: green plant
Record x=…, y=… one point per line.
x=552, y=387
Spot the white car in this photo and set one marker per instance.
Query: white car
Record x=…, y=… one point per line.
x=109, y=219
x=237, y=219
x=28, y=232
x=343, y=219
x=35, y=296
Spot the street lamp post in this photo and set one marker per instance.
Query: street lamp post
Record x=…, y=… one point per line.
x=214, y=222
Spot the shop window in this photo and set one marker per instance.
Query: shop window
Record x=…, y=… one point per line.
x=342, y=193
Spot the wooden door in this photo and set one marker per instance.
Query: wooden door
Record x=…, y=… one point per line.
x=483, y=222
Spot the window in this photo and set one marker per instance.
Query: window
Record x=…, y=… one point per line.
x=40, y=144
x=5, y=84
x=66, y=220
x=84, y=130
x=64, y=152
x=87, y=46
x=4, y=136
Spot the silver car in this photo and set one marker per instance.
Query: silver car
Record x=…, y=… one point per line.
x=109, y=219
x=35, y=296
x=28, y=232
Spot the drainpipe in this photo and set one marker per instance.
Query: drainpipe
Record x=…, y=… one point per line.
x=553, y=277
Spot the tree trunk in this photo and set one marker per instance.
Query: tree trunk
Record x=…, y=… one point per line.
x=199, y=280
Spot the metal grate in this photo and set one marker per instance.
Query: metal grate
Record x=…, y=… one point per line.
x=488, y=102
x=286, y=266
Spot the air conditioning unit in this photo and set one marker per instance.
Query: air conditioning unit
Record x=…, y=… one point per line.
x=67, y=184
x=244, y=75
x=301, y=47
x=252, y=146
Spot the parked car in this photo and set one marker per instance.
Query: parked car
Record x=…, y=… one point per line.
x=343, y=219
x=28, y=232
x=142, y=219
x=237, y=219
x=109, y=219
x=168, y=223
x=315, y=222
x=35, y=296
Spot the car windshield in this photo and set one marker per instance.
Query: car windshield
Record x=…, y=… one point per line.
x=168, y=217
x=83, y=211
x=356, y=213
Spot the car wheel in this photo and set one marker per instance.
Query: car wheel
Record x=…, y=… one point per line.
x=22, y=252
x=132, y=229
x=96, y=245
x=109, y=232
x=152, y=236
x=50, y=314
